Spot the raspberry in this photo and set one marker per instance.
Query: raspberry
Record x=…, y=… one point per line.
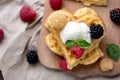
x=55, y=4
x=96, y=31
x=32, y=56
x=1, y=35
x=27, y=14
x=63, y=65
x=76, y=51
x=115, y=15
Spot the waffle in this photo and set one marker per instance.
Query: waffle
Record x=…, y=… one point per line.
x=57, y=20
x=95, y=2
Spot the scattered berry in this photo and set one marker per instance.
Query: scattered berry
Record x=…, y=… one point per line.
x=1, y=35
x=63, y=65
x=55, y=4
x=76, y=51
x=27, y=14
x=96, y=31
x=32, y=56
x=115, y=15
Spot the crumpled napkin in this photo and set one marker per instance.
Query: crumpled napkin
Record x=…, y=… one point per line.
x=20, y=37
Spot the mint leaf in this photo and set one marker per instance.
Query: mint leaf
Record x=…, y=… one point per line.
x=70, y=43
x=113, y=51
x=82, y=43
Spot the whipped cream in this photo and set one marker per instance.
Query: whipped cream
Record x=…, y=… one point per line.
x=74, y=30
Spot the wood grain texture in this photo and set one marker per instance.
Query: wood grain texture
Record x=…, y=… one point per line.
x=50, y=60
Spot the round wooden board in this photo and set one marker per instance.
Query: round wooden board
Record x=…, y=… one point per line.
x=50, y=60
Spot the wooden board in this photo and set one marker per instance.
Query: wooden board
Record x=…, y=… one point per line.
x=50, y=60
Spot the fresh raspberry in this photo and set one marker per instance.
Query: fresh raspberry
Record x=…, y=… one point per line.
x=1, y=35
x=55, y=4
x=63, y=65
x=115, y=15
x=76, y=51
x=27, y=14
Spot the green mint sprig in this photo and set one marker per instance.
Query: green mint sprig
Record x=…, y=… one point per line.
x=70, y=43
x=80, y=42
x=113, y=51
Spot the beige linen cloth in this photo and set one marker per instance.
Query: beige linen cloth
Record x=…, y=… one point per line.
x=20, y=37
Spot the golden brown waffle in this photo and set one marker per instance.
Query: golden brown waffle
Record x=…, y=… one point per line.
x=56, y=22
x=95, y=2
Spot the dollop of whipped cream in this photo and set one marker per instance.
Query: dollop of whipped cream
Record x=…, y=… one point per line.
x=74, y=30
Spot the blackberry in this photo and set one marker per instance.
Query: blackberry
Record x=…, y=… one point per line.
x=115, y=15
x=32, y=56
x=96, y=31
